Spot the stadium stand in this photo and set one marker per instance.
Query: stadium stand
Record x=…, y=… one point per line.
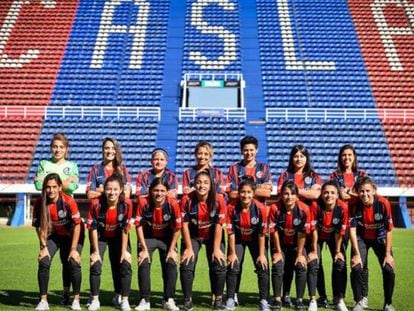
x=302, y=60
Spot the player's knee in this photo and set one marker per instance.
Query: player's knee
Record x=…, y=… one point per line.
x=387, y=269
x=44, y=263
x=339, y=265
x=96, y=268
x=313, y=266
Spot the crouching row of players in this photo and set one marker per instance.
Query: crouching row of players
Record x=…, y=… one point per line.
x=296, y=233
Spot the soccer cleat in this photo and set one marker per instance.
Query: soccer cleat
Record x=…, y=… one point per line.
x=43, y=305
x=313, y=306
x=94, y=305
x=323, y=302
x=264, y=305
x=358, y=306
x=116, y=300
x=170, y=305
x=341, y=306
x=124, y=306
x=287, y=302
x=364, y=302
x=143, y=305
x=219, y=305
x=230, y=304
x=277, y=305
x=388, y=308
x=300, y=305
x=188, y=305
x=236, y=299
x=76, y=305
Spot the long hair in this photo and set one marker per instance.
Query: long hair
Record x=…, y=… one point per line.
x=157, y=181
x=118, y=178
x=289, y=184
x=211, y=197
x=307, y=170
x=117, y=162
x=354, y=164
x=60, y=137
x=204, y=144
x=45, y=224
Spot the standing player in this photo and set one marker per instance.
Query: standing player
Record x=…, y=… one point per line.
x=345, y=176
x=67, y=170
x=158, y=223
x=68, y=173
x=204, y=156
x=109, y=223
x=300, y=171
x=159, y=160
x=203, y=213
x=347, y=172
x=289, y=222
x=371, y=227
x=251, y=167
x=247, y=227
x=112, y=163
x=58, y=225
x=332, y=222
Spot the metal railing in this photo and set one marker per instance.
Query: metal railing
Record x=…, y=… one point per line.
x=227, y=113
x=80, y=111
x=339, y=113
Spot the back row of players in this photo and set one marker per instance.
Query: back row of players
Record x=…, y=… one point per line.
x=306, y=215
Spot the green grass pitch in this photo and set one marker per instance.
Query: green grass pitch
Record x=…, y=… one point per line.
x=19, y=289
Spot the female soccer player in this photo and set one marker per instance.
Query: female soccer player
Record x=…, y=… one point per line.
x=204, y=155
x=112, y=163
x=300, y=171
x=345, y=176
x=371, y=227
x=249, y=166
x=109, y=223
x=67, y=170
x=58, y=226
x=158, y=224
x=68, y=173
x=159, y=160
x=247, y=227
x=289, y=223
x=347, y=172
x=203, y=213
x=331, y=223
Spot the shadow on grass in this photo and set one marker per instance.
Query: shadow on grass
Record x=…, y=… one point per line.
x=201, y=299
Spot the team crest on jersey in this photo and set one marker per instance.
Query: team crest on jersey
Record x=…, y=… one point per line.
x=166, y=217
x=62, y=214
x=378, y=216
x=259, y=174
x=296, y=222
x=308, y=180
x=66, y=170
x=213, y=213
x=254, y=220
x=335, y=221
x=120, y=217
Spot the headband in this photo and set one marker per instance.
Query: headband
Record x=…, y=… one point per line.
x=159, y=150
